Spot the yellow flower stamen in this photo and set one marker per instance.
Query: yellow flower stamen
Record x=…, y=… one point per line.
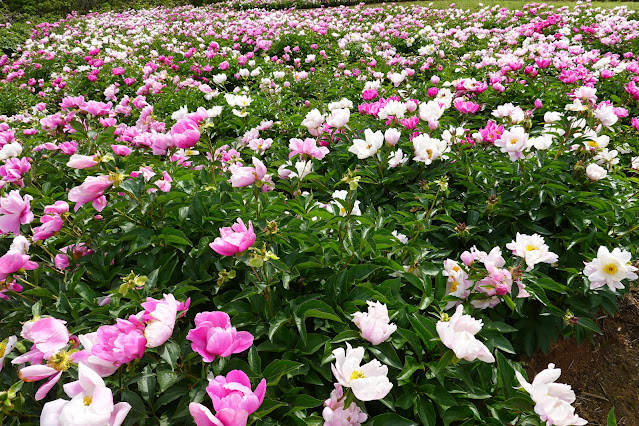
x=61, y=361
x=3, y=347
x=453, y=286
x=531, y=247
x=357, y=375
x=611, y=268
x=88, y=400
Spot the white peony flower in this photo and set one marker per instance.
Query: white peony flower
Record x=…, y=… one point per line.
x=458, y=334
x=533, y=249
x=369, y=382
x=369, y=147
x=609, y=268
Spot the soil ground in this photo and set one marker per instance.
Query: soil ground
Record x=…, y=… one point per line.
x=604, y=373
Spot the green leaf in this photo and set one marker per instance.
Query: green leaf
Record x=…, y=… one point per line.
x=302, y=402
x=426, y=411
x=318, y=309
x=170, y=352
x=390, y=419
x=386, y=353
x=276, y=323
x=612, y=420
x=278, y=368
x=167, y=378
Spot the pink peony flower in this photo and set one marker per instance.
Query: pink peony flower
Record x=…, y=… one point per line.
x=186, y=133
x=214, y=335
x=335, y=414
x=14, y=168
x=121, y=150
x=59, y=207
x=234, y=392
x=91, y=190
x=15, y=261
x=78, y=161
x=226, y=417
x=306, y=147
x=235, y=239
x=14, y=210
x=122, y=342
x=159, y=317
x=50, y=225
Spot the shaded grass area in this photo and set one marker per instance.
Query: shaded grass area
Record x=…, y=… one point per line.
x=510, y=4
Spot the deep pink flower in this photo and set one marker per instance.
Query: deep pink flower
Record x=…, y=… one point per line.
x=466, y=107
x=234, y=392
x=14, y=210
x=186, y=133
x=235, y=239
x=122, y=342
x=214, y=335
x=226, y=417
x=14, y=168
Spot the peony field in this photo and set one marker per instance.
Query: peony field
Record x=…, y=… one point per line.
x=285, y=213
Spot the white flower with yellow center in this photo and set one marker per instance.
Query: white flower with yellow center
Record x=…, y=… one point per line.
x=6, y=346
x=369, y=382
x=533, y=249
x=609, y=268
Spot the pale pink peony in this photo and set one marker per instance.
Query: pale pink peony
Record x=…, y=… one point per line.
x=159, y=317
x=552, y=400
x=335, y=414
x=214, y=335
x=374, y=325
x=50, y=225
x=91, y=404
x=77, y=161
x=14, y=261
x=306, y=147
x=533, y=249
x=458, y=334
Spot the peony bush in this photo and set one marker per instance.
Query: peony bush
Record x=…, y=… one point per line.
x=334, y=216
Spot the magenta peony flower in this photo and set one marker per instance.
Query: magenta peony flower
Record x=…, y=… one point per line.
x=234, y=392
x=226, y=417
x=235, y=239
x=14, y=210
x=214, y=335
x=186, y=133
x=122, y=342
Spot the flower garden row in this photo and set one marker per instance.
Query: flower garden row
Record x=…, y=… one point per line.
x=329, y=216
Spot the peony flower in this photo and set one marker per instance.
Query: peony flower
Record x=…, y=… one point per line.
x=50, y=225
x=234, y=392
x=338, y=117
x=513, y=142
x=391, y=136
x=595, y=172
x=235, y=239
x=14, y=261
x=91, y=404
x=185, y=133
x=226, y=417
x=159, y=317
x=552, y=400
x=341, y=195
x=458, y=284
x=609, y=268
x=101, y=366
x=214, y=335
x=335, y=414
x=369, y=147
x=120, y=343
x=6, y=346
x=14, y=210
x=369, y=382
x=458, y=334
x=306, y=147
x=78, y=161
x=374, y=325
x=59, y=207
x=428, y=149
x=533, y=249
x=91, y=190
